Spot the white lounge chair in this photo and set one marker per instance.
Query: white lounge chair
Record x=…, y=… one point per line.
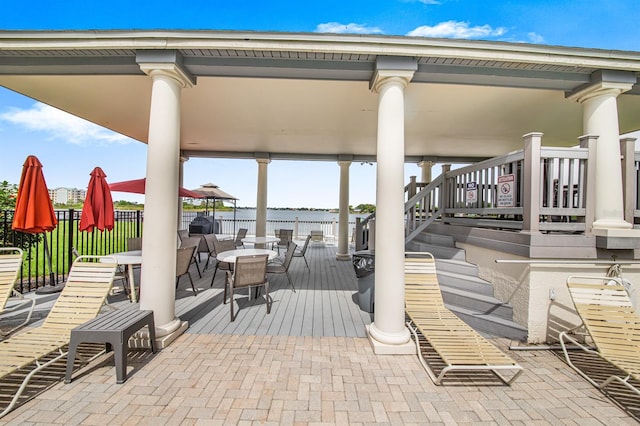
x=610, y=320
x=10, y=263
x=459, y=346
x=88, y=285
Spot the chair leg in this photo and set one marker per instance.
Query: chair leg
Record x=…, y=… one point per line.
x=290, y=282
x=214, y=275
x=231, y=302
x=305, y=261
x=195, y=292
x=197, y=267
x=177, y=281
x=267, y=298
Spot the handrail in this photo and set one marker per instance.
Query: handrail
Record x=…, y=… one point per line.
x=423, y=208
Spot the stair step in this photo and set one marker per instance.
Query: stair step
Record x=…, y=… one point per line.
x=491, y=325
x=457, y=266
x=435, y=239
x=439, y=252
x=480, y=303
x=465, y=282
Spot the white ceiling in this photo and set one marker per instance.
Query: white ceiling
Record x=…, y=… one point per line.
x=296, y=108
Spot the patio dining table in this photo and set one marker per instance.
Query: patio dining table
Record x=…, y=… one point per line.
x=230, y=256
x=128, y=259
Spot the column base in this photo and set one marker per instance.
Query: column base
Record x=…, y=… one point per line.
x=604, y=224
x=343, y=256
x=379, y=348
x=617, y=238
x=141, y=340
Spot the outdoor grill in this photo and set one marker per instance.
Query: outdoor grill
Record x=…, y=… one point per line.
x=203, y=225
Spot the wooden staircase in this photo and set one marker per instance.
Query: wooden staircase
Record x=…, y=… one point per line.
x=464, y=292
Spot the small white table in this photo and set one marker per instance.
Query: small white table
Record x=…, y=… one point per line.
x=229, y=256
x=261, y=240
x=128, y=259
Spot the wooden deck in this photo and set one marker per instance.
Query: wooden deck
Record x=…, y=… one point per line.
x=324, y=304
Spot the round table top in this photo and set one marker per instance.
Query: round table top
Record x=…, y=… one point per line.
x=132, y=257
x=229, y=256
x=261, y=240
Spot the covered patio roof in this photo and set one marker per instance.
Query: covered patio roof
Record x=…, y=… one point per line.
x=307, y=96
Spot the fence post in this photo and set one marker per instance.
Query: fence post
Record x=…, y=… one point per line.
x=445, y=196
x=138, y=224
x=531, y=210
x=589, y=142
x=72, y=228
x=295, y=228
x=628, y=150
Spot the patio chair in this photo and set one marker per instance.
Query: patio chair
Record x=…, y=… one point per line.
x=10, y=263
x=183, y=234
x=607, y=315
x=184, y=259
x=249, y=271
x=285, y=236
x=459, y=346
x=193, y=241
x=301, y=252
x=218, y=246
x=134, y=243
x=282, y=266
x=88, y=285
x=317, y=236
x=242, y=232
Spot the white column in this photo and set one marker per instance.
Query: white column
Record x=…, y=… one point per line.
x=159, y=240
x=343, y=215
x=600, y=118
x=388, y=332
x=261, y=202
x=181, y=183
x=426, y=166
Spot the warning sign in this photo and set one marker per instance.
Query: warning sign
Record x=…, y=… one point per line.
x=506, y=191
x=472, y=192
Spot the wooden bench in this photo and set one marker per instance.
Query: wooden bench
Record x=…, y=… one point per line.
x=114, y=329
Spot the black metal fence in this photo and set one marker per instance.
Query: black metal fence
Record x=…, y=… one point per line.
x=47, y=262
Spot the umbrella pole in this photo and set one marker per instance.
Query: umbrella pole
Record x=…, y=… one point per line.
x=47, y=253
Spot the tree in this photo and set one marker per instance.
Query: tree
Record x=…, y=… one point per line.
x=8, y=193
x=366, y=208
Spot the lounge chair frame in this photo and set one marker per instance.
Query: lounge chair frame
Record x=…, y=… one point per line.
x=610, y=320
x=459, y=346
x=88, y=285
x=10, y=264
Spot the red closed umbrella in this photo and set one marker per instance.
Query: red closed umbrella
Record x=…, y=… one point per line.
x=137, y=186
x=97, y=210
x=34, y=212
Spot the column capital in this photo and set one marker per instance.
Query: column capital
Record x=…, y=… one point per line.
x=426, y=163
x=167, y=63
x=603, y=82
x=342, y=163
x=393, y=69
x=263, y=158
x=184, y=158
x=385, y=77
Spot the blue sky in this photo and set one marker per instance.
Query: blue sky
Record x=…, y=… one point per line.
x=70, y=148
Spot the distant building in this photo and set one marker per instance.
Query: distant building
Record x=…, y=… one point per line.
x=67, y=195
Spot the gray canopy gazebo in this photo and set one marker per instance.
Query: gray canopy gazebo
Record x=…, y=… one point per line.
x=210, y=191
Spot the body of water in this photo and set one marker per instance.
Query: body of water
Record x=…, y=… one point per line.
x=301, y=221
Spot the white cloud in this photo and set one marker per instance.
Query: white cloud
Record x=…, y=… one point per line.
x=338, y=28
x=61, y=125
x=535, y=38
x=457, y=29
